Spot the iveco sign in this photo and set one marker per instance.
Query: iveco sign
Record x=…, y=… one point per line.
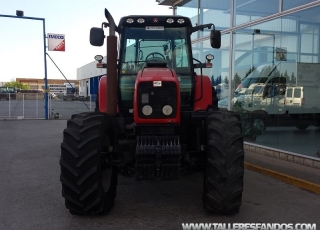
x=56, y=42
x=55, y=36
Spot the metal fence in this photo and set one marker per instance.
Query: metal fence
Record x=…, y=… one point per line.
x=32, y=106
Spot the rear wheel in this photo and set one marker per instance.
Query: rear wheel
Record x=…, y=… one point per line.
x=88, y=181
x=223, y=176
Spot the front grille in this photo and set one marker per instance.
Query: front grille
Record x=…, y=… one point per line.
x=157, y=129
x=157, y=98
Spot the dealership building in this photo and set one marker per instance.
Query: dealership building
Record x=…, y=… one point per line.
x=268, y=64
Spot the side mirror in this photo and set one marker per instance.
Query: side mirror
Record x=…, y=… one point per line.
x=215, y=39
x=96, y=36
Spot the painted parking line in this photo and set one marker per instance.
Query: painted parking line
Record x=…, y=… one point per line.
x=285, y=178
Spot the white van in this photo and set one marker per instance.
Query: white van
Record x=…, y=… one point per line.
x=264, y=74
x=299, y=99
x=253, y=95
x=273, y=98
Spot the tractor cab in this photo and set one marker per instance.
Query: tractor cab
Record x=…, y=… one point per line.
x=155, y=41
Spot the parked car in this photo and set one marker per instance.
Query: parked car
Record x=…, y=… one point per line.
x=7, y=93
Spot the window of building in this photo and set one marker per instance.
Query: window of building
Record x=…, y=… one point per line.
x=250, y=10
x=288, y=4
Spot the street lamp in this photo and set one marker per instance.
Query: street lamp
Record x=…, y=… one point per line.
x=20, y=15
x=257, y=31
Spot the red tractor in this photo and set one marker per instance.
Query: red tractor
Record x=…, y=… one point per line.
x=155, y=119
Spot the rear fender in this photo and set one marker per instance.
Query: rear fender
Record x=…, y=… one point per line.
x=203, y=93
x=103, y=94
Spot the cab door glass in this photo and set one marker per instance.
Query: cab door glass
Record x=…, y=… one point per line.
x=180, y=53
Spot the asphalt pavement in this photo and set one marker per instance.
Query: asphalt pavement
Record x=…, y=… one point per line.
x=31, y=191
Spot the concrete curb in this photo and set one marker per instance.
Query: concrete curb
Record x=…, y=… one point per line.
x=309, y=161
x=312, y=187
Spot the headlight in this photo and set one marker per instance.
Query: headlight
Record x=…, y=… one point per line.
x=209, y=57
x=167, y=110
x=98, y=58
x=147, y=110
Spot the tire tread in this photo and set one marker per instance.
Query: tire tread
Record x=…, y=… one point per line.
x=223, y=177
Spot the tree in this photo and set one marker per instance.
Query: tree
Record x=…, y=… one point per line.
x=218, y=80
x=17, y=85
x=226, y=80
x=293, y=78
x=212, y=81
x=236, y=81
x=249, y=71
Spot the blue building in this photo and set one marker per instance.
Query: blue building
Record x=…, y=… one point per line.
x=88, y=77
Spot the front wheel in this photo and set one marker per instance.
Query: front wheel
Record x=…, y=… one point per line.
x=88, y=181
x=223, y=175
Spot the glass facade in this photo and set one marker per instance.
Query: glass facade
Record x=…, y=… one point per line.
x=208, y=12
x=268, y=67
x=250, y=10
x=289, y=4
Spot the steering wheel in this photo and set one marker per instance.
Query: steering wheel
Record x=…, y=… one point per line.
x=153, y=54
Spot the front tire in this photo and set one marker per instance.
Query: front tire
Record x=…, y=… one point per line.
x=88, y=181
x=223, y=176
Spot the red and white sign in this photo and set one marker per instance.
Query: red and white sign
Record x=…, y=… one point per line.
x=56, y=42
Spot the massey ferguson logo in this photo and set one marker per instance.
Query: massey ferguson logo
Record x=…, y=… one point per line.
x=157, y=84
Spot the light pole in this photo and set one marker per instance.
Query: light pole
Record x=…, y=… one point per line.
x=257, y=31
x=20, y=15
x=272, y=88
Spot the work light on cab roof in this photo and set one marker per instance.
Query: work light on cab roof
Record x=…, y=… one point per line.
x=170, y=20
x=140, y=20
x=180, y=20
x=129, y=20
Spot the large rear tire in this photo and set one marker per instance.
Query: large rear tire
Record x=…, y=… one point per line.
x=223, y=175
x=88, y=181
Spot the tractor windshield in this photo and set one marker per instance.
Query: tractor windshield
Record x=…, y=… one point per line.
x=143, y=44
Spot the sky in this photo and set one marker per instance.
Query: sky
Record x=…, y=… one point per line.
x=21, y=40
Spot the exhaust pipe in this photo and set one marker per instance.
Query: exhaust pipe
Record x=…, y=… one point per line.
x=111, y=81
